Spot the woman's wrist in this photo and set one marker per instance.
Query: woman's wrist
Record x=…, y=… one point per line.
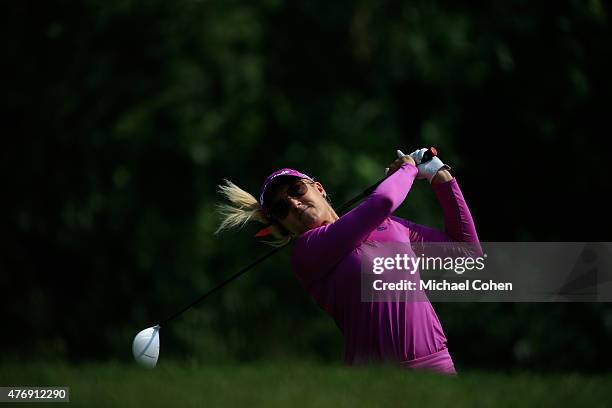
x=442, y=176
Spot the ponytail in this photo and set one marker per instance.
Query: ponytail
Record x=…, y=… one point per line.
x=242, y=208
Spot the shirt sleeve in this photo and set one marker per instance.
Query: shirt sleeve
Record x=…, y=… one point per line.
x=317, y=251
x=458, y=222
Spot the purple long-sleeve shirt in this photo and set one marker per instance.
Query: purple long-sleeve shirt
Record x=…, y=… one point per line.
x=327, y=263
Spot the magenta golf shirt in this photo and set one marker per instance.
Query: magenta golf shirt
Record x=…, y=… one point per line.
x=327, y=263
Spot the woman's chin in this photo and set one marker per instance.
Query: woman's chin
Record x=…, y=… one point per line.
x=313, y=222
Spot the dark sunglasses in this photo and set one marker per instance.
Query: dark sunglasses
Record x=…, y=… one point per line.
x=280, y=209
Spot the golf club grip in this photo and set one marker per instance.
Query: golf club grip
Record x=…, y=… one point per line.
x=428, y=155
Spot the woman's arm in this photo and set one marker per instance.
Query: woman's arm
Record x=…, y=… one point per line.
x=458, y=222
x=318, y=250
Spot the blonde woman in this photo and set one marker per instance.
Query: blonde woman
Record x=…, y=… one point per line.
x=326, y=259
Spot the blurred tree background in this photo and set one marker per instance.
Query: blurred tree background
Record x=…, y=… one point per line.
x=121, y=117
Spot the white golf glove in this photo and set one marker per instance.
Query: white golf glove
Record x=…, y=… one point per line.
x=429, y=169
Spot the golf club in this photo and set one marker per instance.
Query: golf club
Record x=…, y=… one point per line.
x=146, y=343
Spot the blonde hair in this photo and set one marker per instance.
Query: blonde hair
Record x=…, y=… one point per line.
x=242, y=208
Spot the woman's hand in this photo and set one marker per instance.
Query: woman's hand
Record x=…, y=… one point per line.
x=398, y=163
x=433, y=170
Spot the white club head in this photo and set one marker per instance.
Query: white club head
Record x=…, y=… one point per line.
x=146, y=347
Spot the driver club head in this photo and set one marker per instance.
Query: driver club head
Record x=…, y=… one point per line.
x=146, y=347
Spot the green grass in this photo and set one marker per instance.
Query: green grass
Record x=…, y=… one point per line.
x=297, y=384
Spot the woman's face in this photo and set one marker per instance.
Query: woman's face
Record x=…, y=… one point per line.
x=307, y=211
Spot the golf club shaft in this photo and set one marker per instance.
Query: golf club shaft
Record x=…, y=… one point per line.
x=428, y=155
x=225, y=282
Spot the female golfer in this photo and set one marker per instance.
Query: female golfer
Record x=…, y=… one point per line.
x=326, y=254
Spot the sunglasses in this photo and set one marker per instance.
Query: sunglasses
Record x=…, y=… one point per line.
x=280, y=209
